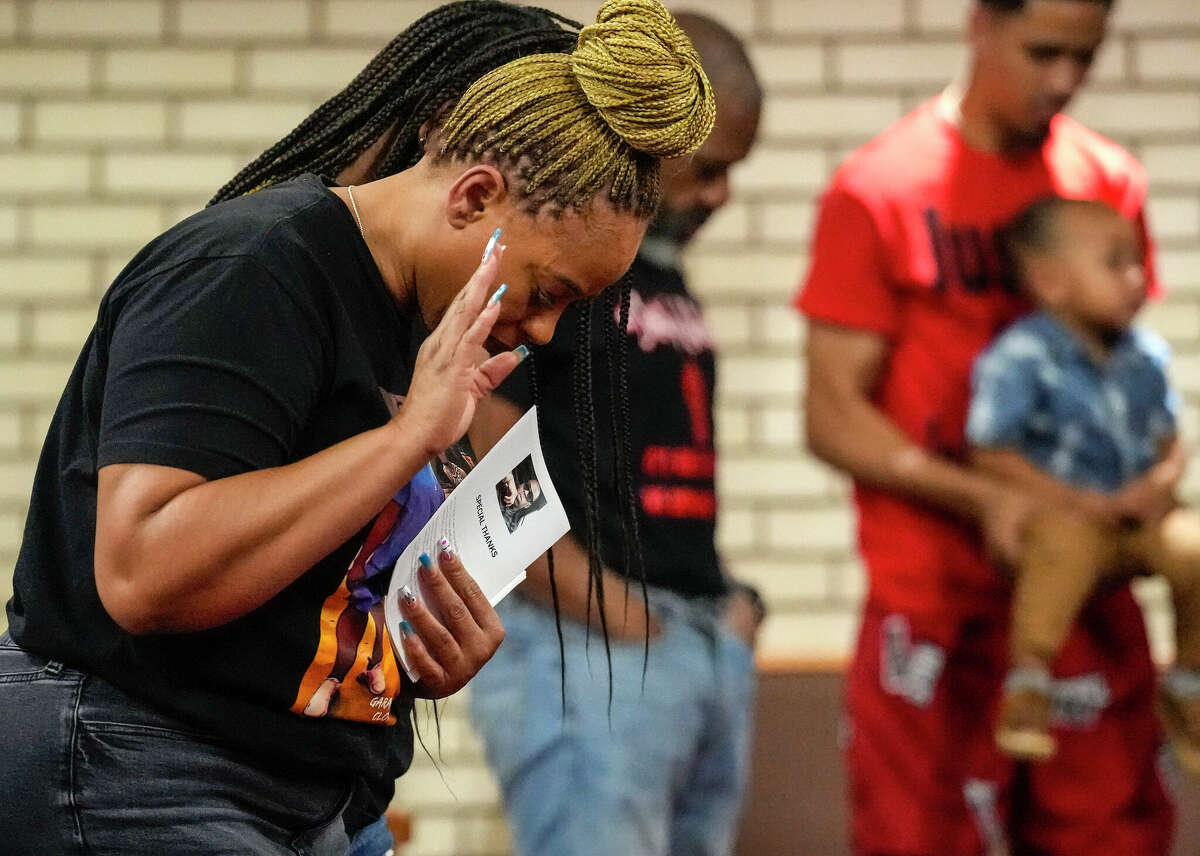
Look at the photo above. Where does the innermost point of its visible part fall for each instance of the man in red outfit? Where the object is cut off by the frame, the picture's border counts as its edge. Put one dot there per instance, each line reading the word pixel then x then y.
pixel 908 282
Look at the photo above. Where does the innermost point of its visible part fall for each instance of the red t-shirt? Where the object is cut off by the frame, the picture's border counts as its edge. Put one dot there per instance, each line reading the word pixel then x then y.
pixel 905 246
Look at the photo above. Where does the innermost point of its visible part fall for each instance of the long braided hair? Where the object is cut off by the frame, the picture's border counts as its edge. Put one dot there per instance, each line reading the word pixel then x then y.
pixel 568 113
pixel 570 126
pixel 427 66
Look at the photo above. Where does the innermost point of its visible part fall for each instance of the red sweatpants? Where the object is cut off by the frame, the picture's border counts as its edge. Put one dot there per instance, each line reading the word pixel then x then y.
pixel 926 779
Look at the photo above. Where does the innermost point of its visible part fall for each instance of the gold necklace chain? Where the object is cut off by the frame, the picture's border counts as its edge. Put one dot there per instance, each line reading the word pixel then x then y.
pixel 354 208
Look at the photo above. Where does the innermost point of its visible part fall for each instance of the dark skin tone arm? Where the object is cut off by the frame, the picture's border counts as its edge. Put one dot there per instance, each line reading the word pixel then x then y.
pixel 1146 499
pixel 158 571
pixel 1010 467
pixel 846 430
pixel 1151 496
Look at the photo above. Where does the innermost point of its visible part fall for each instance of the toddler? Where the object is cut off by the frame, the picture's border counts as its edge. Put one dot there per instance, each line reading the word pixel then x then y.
pixel 1072 403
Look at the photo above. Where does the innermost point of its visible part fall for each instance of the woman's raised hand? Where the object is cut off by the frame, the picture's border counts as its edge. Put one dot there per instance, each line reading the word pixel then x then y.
pixel 453 370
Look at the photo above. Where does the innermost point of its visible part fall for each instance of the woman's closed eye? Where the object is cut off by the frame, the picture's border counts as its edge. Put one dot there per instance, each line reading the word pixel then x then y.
pixel 545 298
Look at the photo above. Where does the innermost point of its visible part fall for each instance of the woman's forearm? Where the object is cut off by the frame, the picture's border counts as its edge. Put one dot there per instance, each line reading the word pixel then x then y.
pixel 176 553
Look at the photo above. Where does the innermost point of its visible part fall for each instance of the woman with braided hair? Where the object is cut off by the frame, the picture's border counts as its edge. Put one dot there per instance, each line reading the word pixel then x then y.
pixel 376 126
pixel 247 403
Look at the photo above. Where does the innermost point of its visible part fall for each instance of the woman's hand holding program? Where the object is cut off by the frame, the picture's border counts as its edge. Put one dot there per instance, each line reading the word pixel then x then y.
pixel 453 369
pixel 447 653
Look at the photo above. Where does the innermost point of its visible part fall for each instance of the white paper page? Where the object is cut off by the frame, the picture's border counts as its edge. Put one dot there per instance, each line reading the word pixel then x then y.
pixel 499 519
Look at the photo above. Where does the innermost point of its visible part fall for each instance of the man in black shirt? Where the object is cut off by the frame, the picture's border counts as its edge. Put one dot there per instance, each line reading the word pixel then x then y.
pixel 660 772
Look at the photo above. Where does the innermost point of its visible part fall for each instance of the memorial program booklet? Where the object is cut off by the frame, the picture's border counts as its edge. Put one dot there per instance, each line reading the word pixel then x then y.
pixel 500 517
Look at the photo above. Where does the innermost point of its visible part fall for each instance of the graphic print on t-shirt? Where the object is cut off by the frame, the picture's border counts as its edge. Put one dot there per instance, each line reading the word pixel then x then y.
pixel 969 257
pixel 676 321
pixel 354 673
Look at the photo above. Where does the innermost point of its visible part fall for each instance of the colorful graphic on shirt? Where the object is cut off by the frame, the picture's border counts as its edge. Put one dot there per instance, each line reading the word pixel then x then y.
pixel 667 319
pixel 676 321
pixel 354 673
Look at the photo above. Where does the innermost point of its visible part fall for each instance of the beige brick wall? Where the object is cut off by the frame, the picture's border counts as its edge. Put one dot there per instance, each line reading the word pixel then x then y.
pixel 118 117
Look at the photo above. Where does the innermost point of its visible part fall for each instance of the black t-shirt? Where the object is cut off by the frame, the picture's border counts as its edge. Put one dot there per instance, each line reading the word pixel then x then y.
pixel 671 376
pixel 251 335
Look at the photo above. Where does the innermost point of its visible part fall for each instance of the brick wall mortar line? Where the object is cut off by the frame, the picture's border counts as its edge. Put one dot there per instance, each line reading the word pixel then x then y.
pixel 24 347
pixel 760 17
pixel 170 29
pixel 241 70
pixel 173 123
pixel 910 22
pixel 96 172
pixel 24 22
pixel 830 66
pixel 25 113
pixel 318 12
pixel 1127 44
pixel 97 274
pixel 95 66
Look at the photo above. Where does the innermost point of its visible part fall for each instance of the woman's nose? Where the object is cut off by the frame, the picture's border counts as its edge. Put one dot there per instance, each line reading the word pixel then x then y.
pixel 539 327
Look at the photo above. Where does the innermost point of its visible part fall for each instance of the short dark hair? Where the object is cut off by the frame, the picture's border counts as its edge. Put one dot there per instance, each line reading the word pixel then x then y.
pixel 1018 5
pixel 1034 230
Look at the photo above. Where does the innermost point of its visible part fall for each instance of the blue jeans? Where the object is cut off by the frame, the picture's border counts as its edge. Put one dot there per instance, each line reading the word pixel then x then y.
pixel 374 839
pixel 85 768
pixel 663 775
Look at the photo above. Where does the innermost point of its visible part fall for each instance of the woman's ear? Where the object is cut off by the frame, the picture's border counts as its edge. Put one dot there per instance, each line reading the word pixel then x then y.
pixel 476 189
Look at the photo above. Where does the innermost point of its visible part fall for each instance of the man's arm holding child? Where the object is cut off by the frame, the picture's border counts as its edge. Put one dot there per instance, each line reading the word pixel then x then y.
pixel 1011 467
pixel 845 428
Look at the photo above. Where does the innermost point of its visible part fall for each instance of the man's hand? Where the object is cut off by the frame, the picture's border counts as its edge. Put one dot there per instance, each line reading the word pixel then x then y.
pixel 744 613
pixel 1145 500
pixel 1003 517
pixel 1101 507
pixel 1152 496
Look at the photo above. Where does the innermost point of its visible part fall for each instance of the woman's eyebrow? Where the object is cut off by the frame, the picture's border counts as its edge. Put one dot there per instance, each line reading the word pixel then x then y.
pixel 568 283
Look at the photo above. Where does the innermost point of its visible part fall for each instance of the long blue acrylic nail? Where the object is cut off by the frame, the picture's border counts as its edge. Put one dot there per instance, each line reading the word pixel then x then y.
pixel 426 562
pixel 522 351
pixel 498 293
pixel 491 245
pixel 405 629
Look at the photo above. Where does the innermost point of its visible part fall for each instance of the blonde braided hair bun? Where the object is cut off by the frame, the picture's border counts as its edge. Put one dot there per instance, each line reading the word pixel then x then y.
pixel 567 126
pixel 640 71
